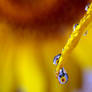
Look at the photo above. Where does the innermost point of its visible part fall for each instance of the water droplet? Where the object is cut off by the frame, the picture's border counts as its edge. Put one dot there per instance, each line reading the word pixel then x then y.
pixel 74 27
pixel 62 49
pixel 87 7
pixel 85 33
pixel 63 76
pixel 56 59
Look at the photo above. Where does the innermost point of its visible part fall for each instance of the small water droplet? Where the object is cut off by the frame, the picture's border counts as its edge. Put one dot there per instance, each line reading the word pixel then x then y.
pixel 56 59
pixel 63 76
pixel 85 33
pixel 74 27
pixel 87 7
pixel 62 49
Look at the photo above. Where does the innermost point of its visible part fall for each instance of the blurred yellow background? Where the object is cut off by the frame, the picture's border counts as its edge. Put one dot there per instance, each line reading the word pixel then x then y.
pixel 26 59
pixel 26 64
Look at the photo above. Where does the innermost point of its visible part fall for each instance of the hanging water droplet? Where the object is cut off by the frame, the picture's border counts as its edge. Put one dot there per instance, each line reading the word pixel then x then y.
pixel 87 7
pixel 85 33
pixel 74 27
pixel 56 59
pixel 63 76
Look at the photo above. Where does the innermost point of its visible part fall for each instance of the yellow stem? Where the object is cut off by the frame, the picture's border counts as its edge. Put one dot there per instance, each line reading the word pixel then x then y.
pixel 75 37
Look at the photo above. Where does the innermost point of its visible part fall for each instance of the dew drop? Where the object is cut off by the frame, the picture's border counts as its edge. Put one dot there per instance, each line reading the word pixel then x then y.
pixel 56 59
pixel 85 33
pixel 87 7
pixel 62 49
pixel 74 27
pixel 63 76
